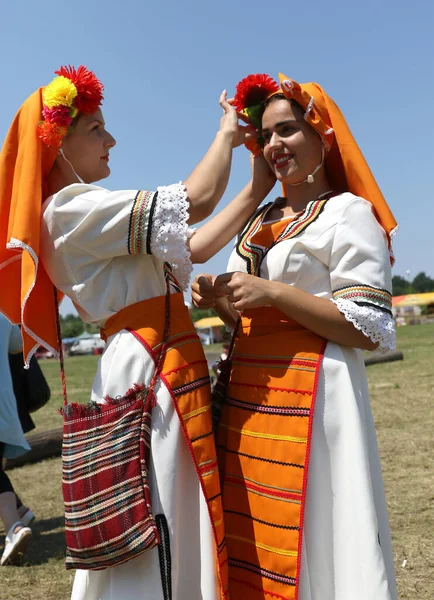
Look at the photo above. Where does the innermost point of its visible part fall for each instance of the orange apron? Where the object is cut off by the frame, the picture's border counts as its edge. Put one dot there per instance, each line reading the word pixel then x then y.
pixel 185 374
pixel 265 429
pixel 263 447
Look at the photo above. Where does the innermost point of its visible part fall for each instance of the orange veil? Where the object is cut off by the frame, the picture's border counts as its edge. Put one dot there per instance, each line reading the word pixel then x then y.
pixel 26 292
pixel 346 167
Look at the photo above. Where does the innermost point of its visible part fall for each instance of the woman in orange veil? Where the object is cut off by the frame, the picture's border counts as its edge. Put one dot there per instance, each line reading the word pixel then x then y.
pixel 308 288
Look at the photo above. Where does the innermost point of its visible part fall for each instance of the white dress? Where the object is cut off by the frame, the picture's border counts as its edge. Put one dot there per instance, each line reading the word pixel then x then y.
pixel 343 256
pixel 106 250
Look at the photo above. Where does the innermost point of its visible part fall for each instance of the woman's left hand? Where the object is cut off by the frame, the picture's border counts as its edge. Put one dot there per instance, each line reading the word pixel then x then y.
pixel 244 291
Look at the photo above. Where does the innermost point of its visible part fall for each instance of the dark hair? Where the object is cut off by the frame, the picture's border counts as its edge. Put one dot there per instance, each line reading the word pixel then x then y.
pixel 275 98
pixel 280 96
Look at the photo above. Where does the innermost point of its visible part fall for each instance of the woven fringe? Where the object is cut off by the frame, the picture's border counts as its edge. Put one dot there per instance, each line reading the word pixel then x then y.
pixel 76 411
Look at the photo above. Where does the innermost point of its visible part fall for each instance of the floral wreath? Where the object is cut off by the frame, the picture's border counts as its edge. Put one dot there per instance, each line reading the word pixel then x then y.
pixel 253 90
pixel 73 92
pixel 250 95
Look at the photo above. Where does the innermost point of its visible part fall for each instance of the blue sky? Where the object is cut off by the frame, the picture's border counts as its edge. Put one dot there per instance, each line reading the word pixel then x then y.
pixel 165 63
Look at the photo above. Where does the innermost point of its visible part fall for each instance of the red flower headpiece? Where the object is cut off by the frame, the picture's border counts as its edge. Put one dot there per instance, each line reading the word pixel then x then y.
pixel 73 92
pixel 89 88
pixel 251 92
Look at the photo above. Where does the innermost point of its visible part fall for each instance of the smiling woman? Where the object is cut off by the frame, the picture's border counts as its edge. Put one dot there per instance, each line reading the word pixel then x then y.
pixel 123 257
pixel 308 286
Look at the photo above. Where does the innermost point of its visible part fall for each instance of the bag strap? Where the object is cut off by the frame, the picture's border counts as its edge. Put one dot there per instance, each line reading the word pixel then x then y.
pixel 59 341
pixel 163 348
pixel 233 339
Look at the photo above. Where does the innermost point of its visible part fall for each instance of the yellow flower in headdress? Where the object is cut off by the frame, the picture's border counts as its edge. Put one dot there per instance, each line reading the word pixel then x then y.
pixel 60 92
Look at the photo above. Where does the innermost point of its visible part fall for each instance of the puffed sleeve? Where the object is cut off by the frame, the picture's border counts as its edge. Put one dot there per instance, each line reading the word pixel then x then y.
pixel 106 224
pixel 360 273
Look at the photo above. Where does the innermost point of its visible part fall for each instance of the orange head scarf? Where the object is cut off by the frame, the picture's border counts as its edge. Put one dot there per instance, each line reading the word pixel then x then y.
pixel 346 167
pixel 27 157
pixel 27 294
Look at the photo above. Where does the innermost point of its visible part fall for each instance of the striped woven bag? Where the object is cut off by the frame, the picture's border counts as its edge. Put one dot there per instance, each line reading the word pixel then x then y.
pixel 105 457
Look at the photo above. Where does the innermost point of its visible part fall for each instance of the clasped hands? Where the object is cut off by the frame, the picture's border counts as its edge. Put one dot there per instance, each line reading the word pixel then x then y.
pixel 240 289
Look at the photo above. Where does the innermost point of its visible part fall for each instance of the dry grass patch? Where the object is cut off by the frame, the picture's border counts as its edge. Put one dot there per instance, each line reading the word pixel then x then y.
pixel 402 399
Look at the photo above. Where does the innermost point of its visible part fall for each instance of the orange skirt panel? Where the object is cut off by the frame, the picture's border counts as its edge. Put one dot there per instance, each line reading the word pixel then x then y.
pixel 263 448
pixel 185 374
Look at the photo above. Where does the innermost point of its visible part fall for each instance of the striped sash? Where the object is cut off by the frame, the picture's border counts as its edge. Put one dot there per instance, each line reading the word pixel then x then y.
pixel 263 447
pixel 185 374
pixel 265 431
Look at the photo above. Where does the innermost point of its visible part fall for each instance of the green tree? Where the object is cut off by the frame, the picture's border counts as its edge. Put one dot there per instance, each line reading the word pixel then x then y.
pixel 422 283
pixel 71 326
pixel 400 286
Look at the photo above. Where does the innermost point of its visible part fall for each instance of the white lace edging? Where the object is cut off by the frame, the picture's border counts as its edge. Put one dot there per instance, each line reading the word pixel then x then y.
pixel 170 232
pixel 14 244
pixel 376 324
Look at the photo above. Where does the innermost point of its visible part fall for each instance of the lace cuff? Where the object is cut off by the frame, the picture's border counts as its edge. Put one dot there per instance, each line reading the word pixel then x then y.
pixel 170 232
pixel 376 324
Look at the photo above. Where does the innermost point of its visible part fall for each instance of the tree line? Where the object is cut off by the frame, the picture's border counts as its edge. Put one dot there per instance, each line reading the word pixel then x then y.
pixel 419 285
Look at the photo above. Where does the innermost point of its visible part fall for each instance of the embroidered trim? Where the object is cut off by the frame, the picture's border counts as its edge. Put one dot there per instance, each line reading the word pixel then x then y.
pixel 373 322
pixel 276 525
pixel 189 387
pixel 261 458
pixel 272 549
pixel 266 436
pixel 254 254
pixel 241 564
pixel 290 411
pixel 270 489
pixel 140 226
pixel 365 295
pixel 250 253
pixel 201 437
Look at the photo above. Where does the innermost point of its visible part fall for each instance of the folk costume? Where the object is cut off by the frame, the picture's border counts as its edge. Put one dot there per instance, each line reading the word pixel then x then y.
pixel 303 498
pixel 123 259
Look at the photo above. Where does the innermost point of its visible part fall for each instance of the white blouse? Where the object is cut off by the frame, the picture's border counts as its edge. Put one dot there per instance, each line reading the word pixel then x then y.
pixel 342 255
pixel 106 250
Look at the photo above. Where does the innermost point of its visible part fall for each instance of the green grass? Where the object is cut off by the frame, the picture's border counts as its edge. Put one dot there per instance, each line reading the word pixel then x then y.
pixel 80 372
pixel 402 397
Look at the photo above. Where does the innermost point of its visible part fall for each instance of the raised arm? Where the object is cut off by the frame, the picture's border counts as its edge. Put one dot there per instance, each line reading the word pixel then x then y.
pixel 214 235
pixel 207 183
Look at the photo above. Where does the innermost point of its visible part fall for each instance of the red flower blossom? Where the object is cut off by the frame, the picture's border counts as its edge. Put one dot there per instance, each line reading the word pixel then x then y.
pixel 254 147
pixel 254 89
pixel 89 88
pixel 60 115
pixel 51 134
